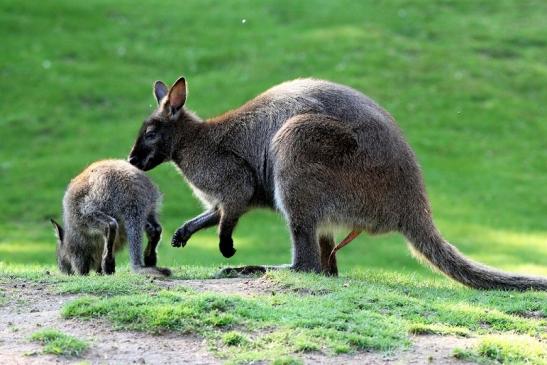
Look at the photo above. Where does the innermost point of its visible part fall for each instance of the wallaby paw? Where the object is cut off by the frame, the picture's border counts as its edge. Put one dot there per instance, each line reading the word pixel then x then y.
pixel 227 251
pixel 108 266
pixel 244 271
pixel 181 237
pixel 226 246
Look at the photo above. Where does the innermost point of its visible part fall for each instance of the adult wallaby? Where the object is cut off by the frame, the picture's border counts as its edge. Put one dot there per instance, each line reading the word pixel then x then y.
pixel 323 154
pixel 108 203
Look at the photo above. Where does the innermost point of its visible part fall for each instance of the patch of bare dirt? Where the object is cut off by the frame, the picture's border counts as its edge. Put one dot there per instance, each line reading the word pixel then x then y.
pixel 239 286
pixel 31 307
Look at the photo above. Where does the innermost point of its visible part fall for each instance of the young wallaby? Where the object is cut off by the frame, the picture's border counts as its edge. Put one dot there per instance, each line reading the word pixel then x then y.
pixel 324 155
pixel 110 202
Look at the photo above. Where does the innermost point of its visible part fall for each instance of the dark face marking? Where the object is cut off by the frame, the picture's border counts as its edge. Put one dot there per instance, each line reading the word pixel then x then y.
pixel 155 140
pixel 152 146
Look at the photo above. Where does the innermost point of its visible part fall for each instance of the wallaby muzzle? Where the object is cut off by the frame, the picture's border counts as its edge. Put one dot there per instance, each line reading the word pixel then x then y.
pixel 141 159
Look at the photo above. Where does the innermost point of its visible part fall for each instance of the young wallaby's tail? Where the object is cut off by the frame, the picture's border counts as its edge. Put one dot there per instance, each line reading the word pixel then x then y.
pixel 429 243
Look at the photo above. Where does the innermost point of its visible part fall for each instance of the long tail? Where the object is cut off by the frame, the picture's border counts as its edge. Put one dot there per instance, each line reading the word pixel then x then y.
pixel 428 242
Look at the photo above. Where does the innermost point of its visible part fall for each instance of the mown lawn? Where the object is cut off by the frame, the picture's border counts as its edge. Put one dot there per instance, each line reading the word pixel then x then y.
pixel 464 79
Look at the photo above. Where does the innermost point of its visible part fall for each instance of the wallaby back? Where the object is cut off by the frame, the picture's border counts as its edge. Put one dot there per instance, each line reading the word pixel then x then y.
pixel 112 186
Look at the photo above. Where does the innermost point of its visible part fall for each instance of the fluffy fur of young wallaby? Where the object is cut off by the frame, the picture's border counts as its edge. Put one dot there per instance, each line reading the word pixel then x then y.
pixel 323 154
pixel 109 203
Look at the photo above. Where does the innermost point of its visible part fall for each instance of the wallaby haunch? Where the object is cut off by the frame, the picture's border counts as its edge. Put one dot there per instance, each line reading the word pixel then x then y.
pixel 324 155
pixel 108 203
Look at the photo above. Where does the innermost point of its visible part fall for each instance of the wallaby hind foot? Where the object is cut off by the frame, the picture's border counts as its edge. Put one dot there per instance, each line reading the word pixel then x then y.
pixel 246 271
pixel 258 270
pixel 153 271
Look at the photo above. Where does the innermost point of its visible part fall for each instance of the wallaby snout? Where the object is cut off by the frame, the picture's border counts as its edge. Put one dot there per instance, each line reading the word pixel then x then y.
pixel 135 161
pixel 143 157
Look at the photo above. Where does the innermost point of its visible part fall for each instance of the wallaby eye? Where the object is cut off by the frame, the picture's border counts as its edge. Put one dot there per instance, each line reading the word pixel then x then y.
pixel 150 134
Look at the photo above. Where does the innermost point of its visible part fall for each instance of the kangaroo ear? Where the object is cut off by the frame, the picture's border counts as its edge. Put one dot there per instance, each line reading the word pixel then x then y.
pixel 160 90
pixel 177 95
pixel 59 231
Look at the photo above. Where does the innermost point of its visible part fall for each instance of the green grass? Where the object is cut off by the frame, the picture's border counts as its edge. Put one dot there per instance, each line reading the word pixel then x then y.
pixel 438 329
pixel 464 79
pixel 234 338
pixel 58 343
pixel 286 360
pixel 516 350
pixel 366 310
pixel 298 313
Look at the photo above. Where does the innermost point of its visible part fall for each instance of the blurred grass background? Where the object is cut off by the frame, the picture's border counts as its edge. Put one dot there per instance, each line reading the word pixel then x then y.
pixel 466 81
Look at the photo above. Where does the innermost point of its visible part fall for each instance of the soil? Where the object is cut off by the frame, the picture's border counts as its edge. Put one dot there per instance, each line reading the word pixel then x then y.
pixel 31 307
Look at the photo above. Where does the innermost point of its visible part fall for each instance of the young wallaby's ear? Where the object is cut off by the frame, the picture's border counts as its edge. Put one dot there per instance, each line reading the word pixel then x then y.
pixel 59 231
pixel 160 90
pixel 177 95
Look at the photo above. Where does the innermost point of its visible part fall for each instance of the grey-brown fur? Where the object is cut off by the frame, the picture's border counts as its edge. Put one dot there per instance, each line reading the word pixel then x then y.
pixel 321 153
pixel 109 203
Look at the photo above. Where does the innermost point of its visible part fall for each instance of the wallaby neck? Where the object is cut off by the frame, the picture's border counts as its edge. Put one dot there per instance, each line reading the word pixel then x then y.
pixel 226 143
pixel 196 142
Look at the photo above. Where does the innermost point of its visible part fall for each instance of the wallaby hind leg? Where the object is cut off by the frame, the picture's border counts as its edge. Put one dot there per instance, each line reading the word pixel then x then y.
pixel 134 228
pixel 153 232
pixel 311 153
pixel 306 256
pixel 326 244
pixel 109 225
